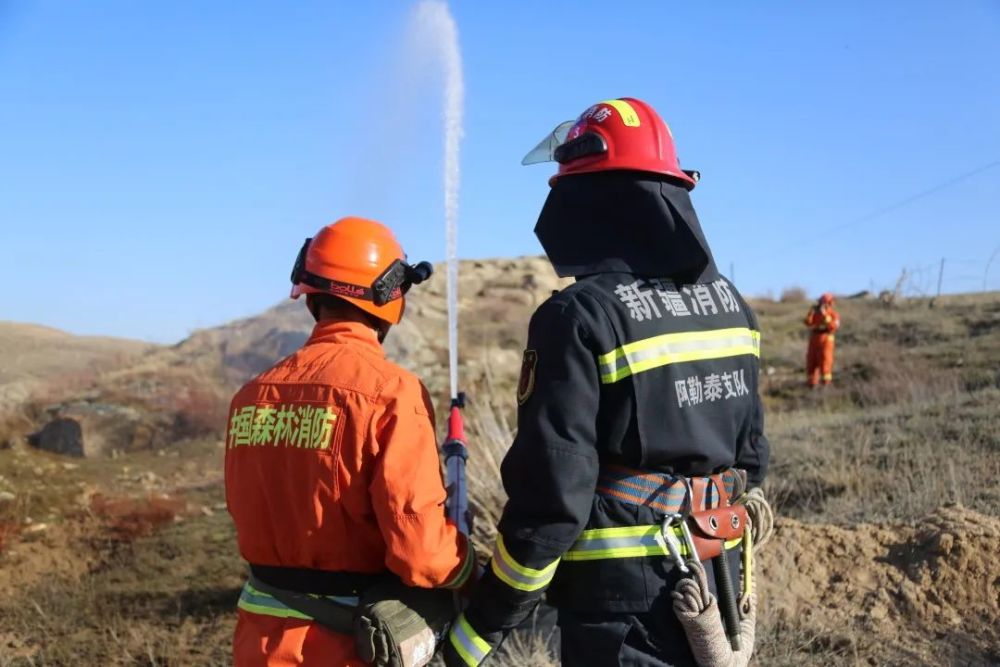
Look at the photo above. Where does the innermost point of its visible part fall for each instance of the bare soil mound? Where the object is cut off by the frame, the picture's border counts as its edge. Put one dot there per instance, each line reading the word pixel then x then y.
pixel 914 593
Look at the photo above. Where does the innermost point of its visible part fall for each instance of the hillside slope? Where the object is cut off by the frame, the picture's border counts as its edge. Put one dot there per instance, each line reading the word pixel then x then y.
pixel 33 355
pixel 495 297
pixel 885 483
pixel 35 352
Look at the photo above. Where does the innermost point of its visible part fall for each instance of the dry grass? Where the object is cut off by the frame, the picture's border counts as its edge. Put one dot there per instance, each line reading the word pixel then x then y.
pixel 490 435
pixel 785 643
pixel 911 423
pixel 155 601
pixel 897 462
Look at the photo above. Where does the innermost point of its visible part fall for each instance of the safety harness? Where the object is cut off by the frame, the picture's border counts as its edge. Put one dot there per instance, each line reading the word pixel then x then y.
pixel 332 611
pixel 700 523
pixel 698 519
pixel 393 625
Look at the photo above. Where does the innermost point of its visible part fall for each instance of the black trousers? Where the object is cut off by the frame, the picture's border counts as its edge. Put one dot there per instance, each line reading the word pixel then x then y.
pixel 650 639
pixel 633 640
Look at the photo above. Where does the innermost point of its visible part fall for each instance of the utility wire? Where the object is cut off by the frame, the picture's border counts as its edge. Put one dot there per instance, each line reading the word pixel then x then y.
pixel 892 207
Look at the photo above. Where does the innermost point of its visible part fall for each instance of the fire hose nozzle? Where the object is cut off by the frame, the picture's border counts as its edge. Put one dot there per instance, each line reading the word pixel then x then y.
pixel 456 423
pixel 456 453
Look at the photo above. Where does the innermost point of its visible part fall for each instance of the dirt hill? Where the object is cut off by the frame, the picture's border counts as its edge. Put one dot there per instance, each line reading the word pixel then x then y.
pixel 926 592
pixel 493 295
pixel 33 354
pixel 885 483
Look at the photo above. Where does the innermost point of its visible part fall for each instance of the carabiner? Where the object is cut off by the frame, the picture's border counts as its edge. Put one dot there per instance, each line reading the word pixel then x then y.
pixel 672 543
pixel 684 514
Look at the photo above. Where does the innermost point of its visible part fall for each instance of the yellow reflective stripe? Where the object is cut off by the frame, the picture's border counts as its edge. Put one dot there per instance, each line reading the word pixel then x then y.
pixel 519 576
pixel 747 563
pixel 620 542
pixel 681 338
pixel 632 552
pixel 626 542
pixel 617 552
pixel 649 353
pixel 253 591
pixel 628 114
pixel 284 612
pixel 256 602
pixel 472 648
pixel 624 531
pixel 346 600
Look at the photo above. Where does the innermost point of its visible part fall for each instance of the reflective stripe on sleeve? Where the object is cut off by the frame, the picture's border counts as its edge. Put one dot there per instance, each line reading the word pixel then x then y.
pixel 649 353
pixel 472 648
pixel 626 542
pixel 519 576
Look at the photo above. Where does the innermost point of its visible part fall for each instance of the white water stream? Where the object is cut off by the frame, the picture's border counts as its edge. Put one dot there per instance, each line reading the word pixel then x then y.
pixel 436 27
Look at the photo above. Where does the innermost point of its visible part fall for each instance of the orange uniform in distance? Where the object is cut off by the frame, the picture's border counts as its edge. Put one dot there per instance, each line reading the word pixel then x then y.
pixel 332 464
pixel 823 321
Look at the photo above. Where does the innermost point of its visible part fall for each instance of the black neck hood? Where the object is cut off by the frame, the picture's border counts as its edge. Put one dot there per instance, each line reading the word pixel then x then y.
pixel 623 221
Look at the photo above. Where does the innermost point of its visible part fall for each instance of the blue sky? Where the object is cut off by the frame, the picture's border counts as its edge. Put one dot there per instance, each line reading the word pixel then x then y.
pixel 161 162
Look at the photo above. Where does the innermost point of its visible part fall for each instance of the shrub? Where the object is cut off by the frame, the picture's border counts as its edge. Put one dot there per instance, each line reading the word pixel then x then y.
pixel 130 518
pixel 793 295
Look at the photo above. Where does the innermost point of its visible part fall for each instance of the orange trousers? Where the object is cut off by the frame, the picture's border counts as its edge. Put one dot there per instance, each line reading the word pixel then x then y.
pixel 268 641
pixel 819 359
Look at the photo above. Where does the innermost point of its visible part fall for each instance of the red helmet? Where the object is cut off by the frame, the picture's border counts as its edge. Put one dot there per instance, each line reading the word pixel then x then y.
pixel 625 133
pixel 826 298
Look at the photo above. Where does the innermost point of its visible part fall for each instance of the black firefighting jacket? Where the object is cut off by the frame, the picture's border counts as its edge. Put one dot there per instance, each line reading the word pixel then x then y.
pixel 619 369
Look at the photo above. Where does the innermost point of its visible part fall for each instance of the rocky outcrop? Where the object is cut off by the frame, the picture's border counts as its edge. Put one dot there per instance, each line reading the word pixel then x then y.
pixel 60 436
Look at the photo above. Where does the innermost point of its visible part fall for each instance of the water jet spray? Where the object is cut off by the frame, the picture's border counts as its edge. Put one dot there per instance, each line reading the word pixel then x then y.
pixel 434 22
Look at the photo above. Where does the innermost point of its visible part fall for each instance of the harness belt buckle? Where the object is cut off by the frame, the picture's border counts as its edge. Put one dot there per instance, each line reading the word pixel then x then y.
pixel 670 540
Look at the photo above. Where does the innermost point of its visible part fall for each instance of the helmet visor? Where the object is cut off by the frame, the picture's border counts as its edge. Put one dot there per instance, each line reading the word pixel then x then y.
pixel 545 151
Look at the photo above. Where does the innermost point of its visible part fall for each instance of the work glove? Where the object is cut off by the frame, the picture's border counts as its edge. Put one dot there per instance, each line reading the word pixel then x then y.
pixel 761 516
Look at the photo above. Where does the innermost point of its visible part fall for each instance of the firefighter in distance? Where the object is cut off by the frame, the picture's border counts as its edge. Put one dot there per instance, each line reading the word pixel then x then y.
pixel 823 320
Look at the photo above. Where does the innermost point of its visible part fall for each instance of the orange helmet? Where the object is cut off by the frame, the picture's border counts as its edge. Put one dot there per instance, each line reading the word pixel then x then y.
pixel 826 298
pixel 361 262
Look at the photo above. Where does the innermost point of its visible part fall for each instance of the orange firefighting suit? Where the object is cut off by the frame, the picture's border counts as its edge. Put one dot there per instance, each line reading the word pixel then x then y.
pixel 823 320
pixel 332 466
